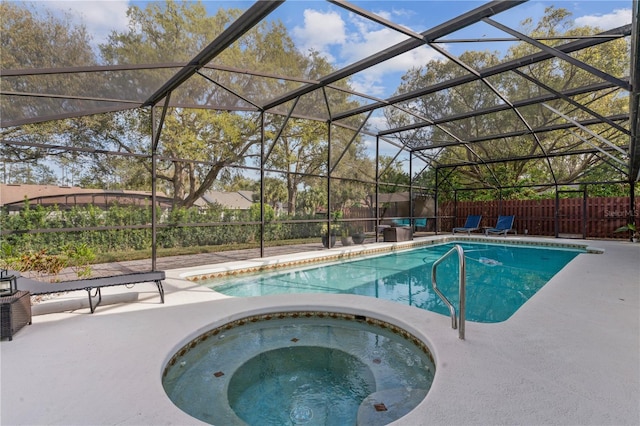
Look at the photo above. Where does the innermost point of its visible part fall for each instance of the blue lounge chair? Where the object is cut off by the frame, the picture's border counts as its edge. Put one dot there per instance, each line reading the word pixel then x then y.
pixel 472 224
pixel 401 222
pixel 504 225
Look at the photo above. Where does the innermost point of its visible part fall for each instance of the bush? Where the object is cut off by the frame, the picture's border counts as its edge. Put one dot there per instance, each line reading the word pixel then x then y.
pixel 127 230
pixel 42 263
pixel 79 258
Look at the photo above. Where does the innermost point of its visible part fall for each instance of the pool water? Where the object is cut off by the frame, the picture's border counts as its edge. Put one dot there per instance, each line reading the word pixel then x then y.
pixel 300 384
pixel 308 368
pixel 500 278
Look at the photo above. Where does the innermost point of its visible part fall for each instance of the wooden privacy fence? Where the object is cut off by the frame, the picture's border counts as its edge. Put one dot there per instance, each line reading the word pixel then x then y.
pixel 598 217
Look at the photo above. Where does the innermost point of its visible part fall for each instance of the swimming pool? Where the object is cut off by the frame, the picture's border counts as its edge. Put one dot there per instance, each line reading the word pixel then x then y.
pixel 500 278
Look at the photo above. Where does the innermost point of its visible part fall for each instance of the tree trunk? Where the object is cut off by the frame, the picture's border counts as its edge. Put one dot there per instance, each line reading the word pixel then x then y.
pixel 292 192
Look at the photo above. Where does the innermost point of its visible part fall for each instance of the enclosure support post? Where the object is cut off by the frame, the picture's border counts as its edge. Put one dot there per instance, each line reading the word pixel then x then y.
pixel 155 141
pixel 632 205
pixel 556 215
pixel 435 202
pixel 328 235
pixel 455 208
pixel 377 187
pixel 262 160
pixel 153 192
pixel 411 203
pixel 584 213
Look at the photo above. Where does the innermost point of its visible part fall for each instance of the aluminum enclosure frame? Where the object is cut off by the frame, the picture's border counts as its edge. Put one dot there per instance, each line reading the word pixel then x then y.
pixel 260 10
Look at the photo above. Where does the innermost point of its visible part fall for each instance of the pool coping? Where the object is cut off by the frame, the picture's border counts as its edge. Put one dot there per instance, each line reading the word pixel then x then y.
pixel 191 342
pixel 274 263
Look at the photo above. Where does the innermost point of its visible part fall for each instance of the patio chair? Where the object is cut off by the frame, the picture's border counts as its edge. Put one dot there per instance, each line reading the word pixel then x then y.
pixel 503 225
pixel 471 224
pixel 401 222
pixel 420 222
pixel 39 287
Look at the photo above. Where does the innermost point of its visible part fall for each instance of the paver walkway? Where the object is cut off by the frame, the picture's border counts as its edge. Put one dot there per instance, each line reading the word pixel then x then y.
pixel 186 261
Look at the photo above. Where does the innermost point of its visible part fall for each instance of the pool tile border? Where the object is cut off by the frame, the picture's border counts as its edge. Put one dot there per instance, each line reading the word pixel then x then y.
pixel 184 350
pixel 348 254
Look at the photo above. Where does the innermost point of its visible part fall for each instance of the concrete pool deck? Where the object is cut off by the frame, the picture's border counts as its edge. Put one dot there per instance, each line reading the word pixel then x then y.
pixel 570 355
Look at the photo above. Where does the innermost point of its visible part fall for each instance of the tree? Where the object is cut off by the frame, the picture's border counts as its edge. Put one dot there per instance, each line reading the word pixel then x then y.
pixel 31 40
pixel 485 169
pixel 25 173
pixel 197 146
pixel 209 141
pixel 275 191
pixel 392 178
pixel 561 75
pixel 302 149
pixel 311 199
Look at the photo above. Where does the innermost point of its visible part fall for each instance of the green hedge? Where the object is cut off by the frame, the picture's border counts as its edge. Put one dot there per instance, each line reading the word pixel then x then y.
pixel 176 228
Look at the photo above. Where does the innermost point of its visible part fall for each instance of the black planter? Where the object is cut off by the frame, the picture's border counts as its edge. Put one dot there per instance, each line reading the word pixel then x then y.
pixel 346 241
pixel 324 241
pixel 358 238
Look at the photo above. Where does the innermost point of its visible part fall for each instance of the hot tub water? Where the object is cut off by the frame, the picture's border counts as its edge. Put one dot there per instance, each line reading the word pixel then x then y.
pixel 300 368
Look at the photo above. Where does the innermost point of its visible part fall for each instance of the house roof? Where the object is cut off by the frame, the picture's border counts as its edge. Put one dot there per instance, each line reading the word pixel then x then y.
pixel 49 195
pixel 240 200
pixel 394 197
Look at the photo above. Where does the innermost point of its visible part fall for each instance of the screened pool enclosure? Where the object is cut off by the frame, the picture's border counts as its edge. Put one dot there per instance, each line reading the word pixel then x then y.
pixel 148 129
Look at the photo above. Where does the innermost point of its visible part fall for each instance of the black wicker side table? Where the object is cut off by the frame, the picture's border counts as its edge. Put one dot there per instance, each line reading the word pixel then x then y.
pixel 15 313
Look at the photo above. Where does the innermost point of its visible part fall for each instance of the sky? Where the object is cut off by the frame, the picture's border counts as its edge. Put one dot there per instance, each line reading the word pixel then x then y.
pixel 344 38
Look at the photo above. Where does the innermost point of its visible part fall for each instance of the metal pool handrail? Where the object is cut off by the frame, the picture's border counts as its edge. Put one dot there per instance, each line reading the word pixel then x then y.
pixel 462 284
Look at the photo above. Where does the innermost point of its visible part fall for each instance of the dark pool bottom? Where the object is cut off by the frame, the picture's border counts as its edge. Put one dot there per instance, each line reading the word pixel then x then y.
pixel 312 368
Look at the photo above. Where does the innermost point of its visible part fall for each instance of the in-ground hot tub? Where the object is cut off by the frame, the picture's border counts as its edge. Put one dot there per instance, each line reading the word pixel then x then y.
pixel 304 367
